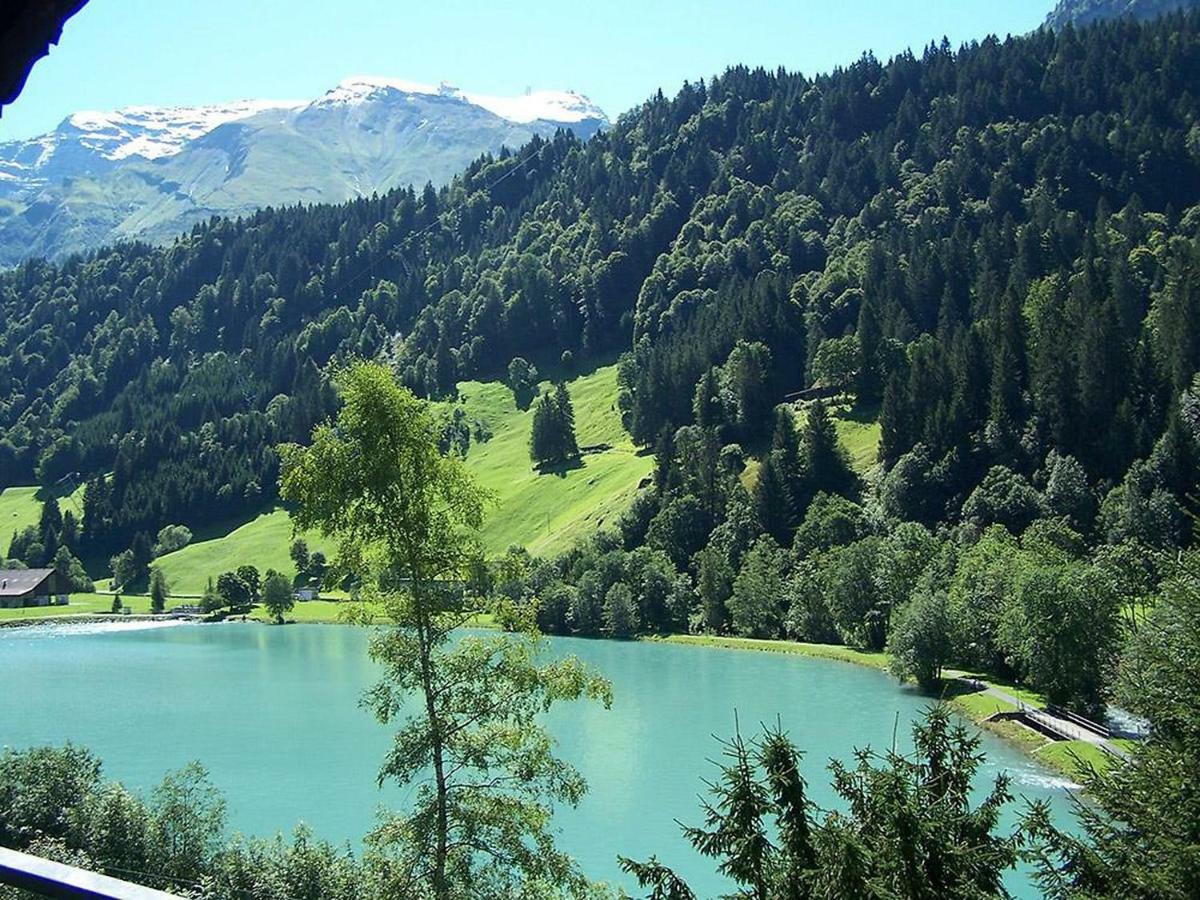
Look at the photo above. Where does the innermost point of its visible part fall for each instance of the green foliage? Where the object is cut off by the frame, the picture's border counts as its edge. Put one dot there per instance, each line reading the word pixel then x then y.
pixel 860 609
pixel 831 521
pixel 756 605
pixel 919 642
pixel 300 555
pixel 620 616
pixel 53 803
pixel 552 435
pixel 172 538
pixel 1139 830
pixel 909 830
pixel 836 362
pixel 1067 491
pixel 523 379
pixel 824 463
pixel 714 585
pixel 773 501
pixel 1005 498
pixel 277 595
pixel 978 594
pixel 253 581
pixel 233 591
pixel 71 570
pixel 124 571
pixel 158 590
pixel 405 520
pixel 1061 628
pixel 1141 509
pixel 211 600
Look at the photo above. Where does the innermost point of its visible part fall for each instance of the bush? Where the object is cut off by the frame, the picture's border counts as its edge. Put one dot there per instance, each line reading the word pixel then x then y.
pixel 172 538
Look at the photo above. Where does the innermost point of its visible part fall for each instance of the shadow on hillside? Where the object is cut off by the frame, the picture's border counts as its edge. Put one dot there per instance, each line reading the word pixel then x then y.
pixel 862 413
pixel 524 398
pixel 560 468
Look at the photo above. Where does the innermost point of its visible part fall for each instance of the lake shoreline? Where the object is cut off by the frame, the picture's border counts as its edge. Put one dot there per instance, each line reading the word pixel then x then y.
pixel 1017 736
pixel 82 618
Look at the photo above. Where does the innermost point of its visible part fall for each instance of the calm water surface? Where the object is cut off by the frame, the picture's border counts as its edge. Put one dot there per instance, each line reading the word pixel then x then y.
pixel 273 714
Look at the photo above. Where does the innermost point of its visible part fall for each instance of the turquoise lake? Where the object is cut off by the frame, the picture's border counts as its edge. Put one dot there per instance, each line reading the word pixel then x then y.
pixel 273 714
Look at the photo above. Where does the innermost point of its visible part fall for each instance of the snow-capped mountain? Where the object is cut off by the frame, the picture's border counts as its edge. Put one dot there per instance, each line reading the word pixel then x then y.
pixel 152 172
pixel 560 107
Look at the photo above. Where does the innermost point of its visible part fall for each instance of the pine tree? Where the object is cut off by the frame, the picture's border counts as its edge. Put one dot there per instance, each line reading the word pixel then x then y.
pixel 158 590
pixel 772 503
pixel 826 467
pixel 707 410
pixel 142 553
pixel 568 446
pixel 552 435
pixel 870 337
pixel 714 583
pixel 542 443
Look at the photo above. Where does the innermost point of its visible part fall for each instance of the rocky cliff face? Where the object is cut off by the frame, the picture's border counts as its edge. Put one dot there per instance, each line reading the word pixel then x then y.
pixel 1084 12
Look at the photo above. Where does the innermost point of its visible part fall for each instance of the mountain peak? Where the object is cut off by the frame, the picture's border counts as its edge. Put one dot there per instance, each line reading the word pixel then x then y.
pixel 150 172
pixel 568 107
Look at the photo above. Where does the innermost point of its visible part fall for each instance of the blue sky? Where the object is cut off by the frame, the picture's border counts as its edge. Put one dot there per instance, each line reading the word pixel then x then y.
pixel 183 52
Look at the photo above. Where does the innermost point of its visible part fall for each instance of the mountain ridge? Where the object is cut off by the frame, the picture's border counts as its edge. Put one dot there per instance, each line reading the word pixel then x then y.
pixel 1085 12
pixel 150 173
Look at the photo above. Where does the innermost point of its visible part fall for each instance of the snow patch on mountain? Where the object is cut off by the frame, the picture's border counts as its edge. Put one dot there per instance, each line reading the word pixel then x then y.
pixel 155 131
pixel 567 107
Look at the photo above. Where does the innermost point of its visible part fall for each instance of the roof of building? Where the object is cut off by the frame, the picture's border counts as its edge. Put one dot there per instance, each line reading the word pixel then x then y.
pixel 21 581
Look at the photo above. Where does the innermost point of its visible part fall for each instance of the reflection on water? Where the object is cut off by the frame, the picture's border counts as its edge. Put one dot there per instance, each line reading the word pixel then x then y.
pixel 274 714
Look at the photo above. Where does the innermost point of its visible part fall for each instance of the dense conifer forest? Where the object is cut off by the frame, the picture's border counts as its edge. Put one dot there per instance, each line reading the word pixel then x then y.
pixel 992 253
pixel 994 246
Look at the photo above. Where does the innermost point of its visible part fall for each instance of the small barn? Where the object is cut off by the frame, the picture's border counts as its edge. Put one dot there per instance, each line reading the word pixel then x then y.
pixel 31 587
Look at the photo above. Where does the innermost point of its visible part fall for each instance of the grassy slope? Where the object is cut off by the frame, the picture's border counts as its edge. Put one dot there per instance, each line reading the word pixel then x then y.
pixel 859 432
pixel 861 440
pixel 543 512
pixel 262 542
pixel 21 507
pixel 546 513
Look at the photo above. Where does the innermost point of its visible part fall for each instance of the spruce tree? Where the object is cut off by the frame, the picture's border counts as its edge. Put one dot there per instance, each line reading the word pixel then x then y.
pixel 158 590
pixel 568 446
pixel 772 503
pixel 552 435
pixel 826 467
pixel 707 410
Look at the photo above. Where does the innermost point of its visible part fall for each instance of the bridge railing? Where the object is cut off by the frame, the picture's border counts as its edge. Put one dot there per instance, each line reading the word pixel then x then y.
pixel 58 880
pixel 1081 721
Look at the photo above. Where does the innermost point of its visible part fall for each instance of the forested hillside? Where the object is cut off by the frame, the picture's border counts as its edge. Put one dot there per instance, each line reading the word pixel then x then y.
pixel 997 245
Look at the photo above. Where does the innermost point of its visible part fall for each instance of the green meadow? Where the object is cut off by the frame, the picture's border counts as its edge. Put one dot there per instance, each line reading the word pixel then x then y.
pixel 546 512
pixel 21 507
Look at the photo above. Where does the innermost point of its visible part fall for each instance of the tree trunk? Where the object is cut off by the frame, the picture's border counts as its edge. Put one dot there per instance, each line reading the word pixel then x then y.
pixel 425 636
